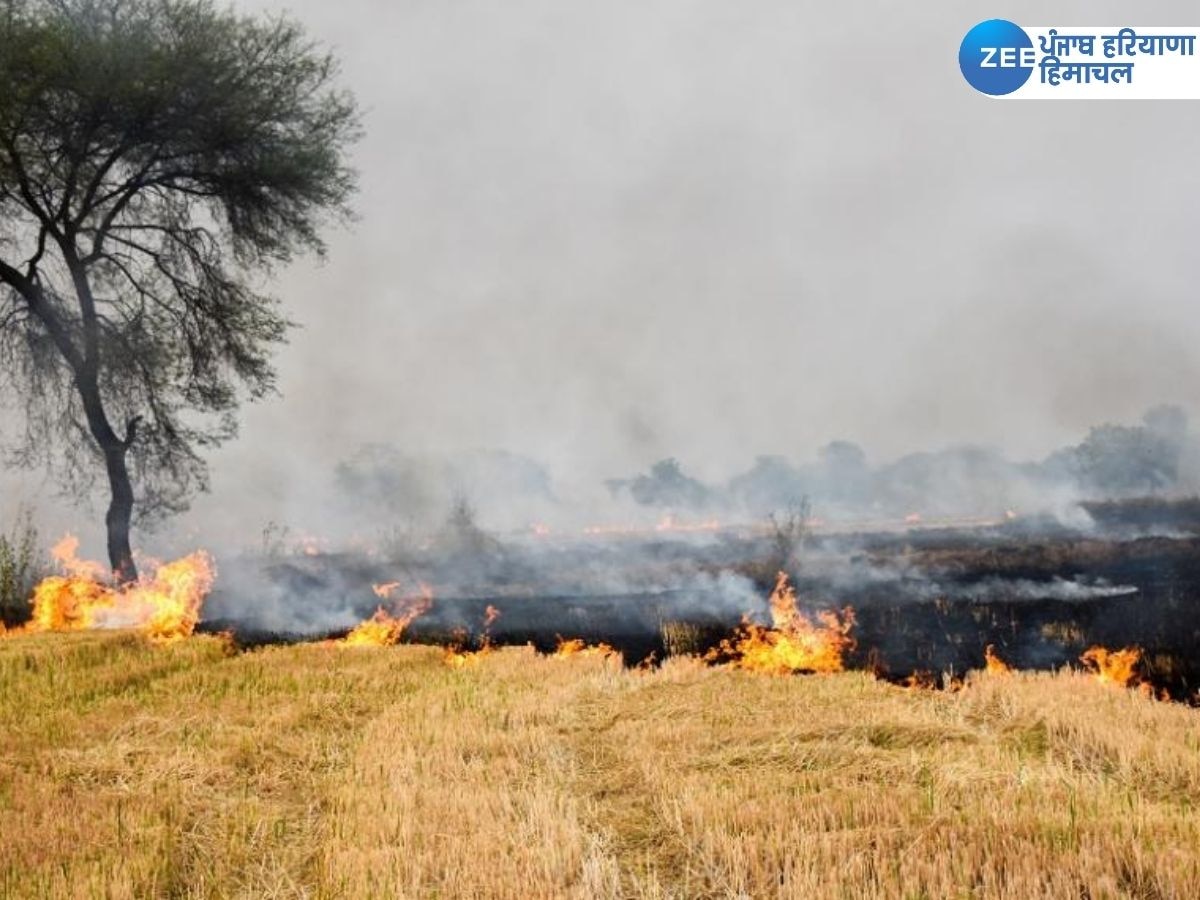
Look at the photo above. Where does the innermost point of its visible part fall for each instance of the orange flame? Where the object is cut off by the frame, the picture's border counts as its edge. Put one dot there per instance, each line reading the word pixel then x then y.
pixel 165 605
pixel 571 647
pixel 457 657
pixel 995 665
pixel 919 680
pixel 794 644
pixel 386 628
pixel 1117 667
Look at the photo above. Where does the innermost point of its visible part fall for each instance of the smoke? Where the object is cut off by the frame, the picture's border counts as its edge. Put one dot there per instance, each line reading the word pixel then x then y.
pixel 597 236
pixel 409 495
pixel 289 598
pixel 1024 589
pixel 601 235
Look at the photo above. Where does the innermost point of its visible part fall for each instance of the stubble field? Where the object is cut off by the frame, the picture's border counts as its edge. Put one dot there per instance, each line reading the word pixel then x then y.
pixel 191 770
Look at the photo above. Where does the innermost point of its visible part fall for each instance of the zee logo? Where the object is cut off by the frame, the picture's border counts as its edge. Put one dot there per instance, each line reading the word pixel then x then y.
pixel 1008 58
pixel 996 57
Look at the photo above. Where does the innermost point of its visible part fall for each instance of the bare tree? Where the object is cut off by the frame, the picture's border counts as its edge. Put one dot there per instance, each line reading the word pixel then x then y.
pixel 156 156
pixel 788 529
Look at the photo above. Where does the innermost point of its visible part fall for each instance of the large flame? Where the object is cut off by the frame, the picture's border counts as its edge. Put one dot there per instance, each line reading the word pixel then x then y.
pixel 794 643
pixel 165 605
pixel 385 628
pixel 995 665
pixel 1117 667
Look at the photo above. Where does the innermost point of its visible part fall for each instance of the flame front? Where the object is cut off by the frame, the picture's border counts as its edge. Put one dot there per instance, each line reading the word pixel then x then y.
pixel 458 657
pixel 570 647
pixel 386 628
pixel 995 665
pixel 919 680
pixel 165 605
pixel 794 643
pixel 1117 667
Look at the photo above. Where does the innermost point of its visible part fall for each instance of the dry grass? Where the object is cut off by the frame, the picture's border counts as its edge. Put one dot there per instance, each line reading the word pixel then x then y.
pixel 135 771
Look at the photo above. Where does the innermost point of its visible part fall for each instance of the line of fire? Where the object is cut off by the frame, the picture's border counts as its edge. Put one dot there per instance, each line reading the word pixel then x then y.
pixel 920 605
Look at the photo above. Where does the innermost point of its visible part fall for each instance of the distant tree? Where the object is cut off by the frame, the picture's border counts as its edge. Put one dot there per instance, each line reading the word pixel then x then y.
pixel 770 483
pixel 1123 460
pixel 843 456
pixel 462 536
pixel 789 528
pixel 667 485
pixel 1117 459
pixel 845 475
pixel 157 157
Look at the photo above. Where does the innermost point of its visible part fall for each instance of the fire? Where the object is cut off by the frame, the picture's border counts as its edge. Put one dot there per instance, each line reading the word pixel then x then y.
pixel 794 643
pixel 381 630
pixel 572 647
pixel 165 605
pixel 1117 667
pixel 919 680
pixel 995 665
pixel 386 628
pixel 457 657
pixel 670 523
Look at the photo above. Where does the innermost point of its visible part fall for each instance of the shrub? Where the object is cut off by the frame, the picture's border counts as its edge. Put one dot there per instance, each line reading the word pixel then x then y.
pixel 20 569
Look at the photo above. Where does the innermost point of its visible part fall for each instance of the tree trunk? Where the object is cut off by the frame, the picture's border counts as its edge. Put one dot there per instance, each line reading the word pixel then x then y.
pixel 116 451
pixel 120 512
pixel 85 363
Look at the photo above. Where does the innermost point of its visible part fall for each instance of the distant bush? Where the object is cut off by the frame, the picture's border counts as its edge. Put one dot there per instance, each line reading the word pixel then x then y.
pixel 462 536
pixel 20 569
pixel 665 486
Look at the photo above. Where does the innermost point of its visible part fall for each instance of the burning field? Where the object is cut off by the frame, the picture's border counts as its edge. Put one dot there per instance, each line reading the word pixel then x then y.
pixel 538 450
pixel 794 749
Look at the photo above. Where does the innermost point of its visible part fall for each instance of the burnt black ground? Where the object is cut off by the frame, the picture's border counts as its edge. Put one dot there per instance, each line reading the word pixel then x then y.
pixel 947 595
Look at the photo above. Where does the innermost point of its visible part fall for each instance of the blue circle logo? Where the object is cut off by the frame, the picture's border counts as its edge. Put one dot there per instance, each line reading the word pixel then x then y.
pixel 996 57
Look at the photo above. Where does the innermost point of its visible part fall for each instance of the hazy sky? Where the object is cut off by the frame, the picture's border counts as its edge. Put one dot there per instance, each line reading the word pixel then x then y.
pixel 603 232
